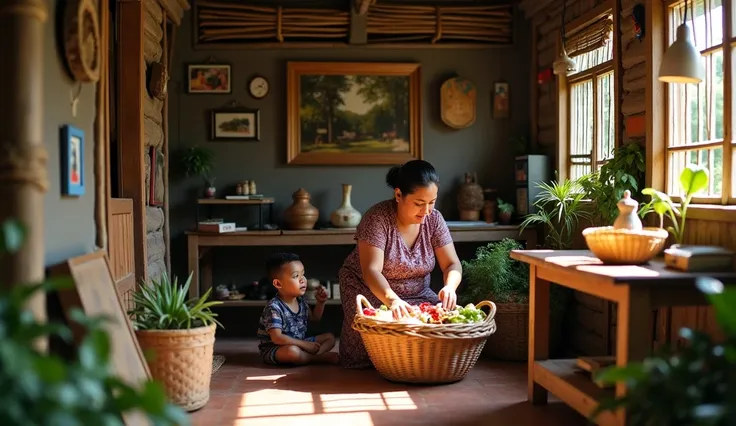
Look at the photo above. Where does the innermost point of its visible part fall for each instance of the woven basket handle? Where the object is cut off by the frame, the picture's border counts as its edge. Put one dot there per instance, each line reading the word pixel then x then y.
pixel 361 302
pixel 492 311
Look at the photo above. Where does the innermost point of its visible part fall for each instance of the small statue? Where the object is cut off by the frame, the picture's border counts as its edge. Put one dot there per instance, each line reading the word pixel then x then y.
pixel 627 213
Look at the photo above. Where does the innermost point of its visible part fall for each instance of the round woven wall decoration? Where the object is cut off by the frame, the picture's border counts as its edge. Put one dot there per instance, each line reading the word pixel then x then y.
pixel 82 40
pixel 457 102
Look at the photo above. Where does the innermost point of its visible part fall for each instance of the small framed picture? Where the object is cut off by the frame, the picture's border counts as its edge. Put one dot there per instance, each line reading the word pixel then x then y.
pixel 500 100
pixel 209 78
pixel 235 124
pixel 72 161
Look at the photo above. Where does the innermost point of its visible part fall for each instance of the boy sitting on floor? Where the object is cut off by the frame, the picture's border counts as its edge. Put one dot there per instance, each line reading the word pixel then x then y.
pixel 283 326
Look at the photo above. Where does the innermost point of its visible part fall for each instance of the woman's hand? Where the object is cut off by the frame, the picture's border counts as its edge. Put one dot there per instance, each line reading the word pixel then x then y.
pixel 448 297
pixel 399 308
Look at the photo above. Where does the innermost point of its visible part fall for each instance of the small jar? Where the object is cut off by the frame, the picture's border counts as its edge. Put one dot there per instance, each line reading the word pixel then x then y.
pixel 252 188
pixel 239 188
pixel 246 188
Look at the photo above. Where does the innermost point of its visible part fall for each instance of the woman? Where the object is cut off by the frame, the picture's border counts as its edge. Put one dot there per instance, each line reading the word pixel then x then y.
pixel 397 243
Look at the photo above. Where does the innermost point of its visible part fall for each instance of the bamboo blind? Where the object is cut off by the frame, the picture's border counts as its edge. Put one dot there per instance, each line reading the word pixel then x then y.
pixel 590 38
pixel 490 24
pixel 236 22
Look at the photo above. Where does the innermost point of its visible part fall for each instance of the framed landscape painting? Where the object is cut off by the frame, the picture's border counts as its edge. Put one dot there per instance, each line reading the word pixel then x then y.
pixel 348 113
pixel 235 124
pixel 208 78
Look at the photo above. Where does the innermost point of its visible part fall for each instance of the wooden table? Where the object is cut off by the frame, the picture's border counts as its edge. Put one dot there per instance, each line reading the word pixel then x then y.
pixel 637 290
pixel 199 244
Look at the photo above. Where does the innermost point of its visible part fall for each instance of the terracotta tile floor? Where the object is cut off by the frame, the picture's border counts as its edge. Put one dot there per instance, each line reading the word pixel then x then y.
pixel 247 392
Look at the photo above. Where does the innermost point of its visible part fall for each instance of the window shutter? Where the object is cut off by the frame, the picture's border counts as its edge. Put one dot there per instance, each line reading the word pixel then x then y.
pixel 590 38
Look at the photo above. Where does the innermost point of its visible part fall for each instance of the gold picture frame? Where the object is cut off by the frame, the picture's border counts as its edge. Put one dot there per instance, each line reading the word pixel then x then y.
pixel 353 113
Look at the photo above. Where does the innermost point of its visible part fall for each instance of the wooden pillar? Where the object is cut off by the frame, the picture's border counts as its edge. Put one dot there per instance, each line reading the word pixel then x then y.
pixel 131 78
pixel 23 156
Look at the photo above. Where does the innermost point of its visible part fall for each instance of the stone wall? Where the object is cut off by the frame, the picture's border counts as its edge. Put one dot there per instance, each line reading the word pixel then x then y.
pixel 153 131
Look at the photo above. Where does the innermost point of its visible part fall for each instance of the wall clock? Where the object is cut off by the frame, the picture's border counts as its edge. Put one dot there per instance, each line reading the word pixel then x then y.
pixel 258 87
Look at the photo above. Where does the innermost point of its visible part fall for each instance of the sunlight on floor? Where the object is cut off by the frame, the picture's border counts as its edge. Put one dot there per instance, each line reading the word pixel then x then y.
pixel 272 378
pixel 279 405
pixel 352 419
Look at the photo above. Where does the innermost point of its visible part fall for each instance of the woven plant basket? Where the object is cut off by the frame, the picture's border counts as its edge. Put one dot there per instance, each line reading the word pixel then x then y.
pixel 624 246
pixel 182 361
pixel 423 353
pixel 510 342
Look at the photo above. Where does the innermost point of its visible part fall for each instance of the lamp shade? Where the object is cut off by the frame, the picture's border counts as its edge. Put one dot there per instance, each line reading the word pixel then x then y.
pixel 563 65
pixel 682 62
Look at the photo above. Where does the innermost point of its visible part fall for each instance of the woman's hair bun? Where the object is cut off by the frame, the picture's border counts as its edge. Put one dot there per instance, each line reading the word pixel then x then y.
pixel 392 177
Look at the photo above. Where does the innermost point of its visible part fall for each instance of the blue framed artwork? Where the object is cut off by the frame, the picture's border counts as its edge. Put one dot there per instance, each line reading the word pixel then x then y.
pixel 72 161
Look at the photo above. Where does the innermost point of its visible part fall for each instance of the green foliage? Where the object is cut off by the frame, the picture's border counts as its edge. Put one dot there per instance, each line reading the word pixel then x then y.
pixel 493 273
pixel 560 209
pixel 162 305
pixel 196 161
pixel 692 387
pixel 693 179
pixel 606 187
pixel 505 207
pixel 43 389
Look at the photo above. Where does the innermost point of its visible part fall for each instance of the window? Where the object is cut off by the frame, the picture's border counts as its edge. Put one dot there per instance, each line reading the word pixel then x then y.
pixel 591 114
pixel 696 114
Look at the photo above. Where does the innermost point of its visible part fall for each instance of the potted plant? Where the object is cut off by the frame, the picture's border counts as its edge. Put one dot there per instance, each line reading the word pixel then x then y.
pixel 505 210
pixel 692 386
pixel 560 208
pixel 624 171
pixel 179 337
pixel 211 190
pixel 197 161
pixel 693 179
pixel 494 275
pixel 44 388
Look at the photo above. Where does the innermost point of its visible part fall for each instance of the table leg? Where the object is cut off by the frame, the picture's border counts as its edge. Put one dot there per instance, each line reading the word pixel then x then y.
pixel 538 332
pixel 193 257
pixel 633 334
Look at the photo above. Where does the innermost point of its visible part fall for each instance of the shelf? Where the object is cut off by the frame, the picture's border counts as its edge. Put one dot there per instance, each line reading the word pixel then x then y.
pixel 234 303
pixel 564 379
pixel 242 202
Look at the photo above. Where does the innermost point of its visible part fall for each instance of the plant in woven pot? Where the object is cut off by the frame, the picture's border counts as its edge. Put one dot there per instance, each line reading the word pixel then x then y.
pixel 178 336
pixel 493 275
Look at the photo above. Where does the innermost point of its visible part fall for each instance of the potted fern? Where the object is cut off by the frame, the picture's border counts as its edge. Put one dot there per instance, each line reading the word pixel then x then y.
pixel 45 388
pixel 198 161
pixel 494 275
pixel 178 337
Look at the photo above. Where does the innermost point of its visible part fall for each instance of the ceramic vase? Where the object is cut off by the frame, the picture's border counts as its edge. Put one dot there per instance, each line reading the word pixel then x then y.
pixel 345 216
pixel 470 198
pixel 301 214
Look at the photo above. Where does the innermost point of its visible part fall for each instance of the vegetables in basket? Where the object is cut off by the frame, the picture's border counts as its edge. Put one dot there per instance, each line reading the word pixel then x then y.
pixel 427 313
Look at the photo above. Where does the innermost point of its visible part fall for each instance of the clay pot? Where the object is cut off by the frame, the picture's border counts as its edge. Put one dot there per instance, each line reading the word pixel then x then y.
pixel 470 198
pixel 210 192
pixel 301 214
pixel 345 216
pixel 505 217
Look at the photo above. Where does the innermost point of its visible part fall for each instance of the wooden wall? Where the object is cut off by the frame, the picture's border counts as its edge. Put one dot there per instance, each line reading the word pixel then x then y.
pixel 154 46
pixel 594 327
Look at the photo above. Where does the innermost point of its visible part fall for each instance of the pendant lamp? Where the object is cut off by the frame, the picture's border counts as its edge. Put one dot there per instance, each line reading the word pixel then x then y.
pixel 682 62
pixel 563 65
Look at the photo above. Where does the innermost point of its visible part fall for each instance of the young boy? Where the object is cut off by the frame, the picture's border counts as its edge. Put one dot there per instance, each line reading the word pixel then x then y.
pixel 283 326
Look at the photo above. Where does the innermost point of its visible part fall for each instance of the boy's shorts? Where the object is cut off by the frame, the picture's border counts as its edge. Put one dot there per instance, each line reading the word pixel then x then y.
pixel 269 354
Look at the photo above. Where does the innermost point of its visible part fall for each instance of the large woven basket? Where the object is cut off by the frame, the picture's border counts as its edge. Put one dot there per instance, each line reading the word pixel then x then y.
pixel 423 353
pixel 182 362
pixel 625 246
pixel 510 342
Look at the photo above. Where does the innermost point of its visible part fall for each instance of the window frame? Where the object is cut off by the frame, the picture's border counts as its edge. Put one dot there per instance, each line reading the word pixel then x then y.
pixel 564 160
pixel 728 47
pixel 593 75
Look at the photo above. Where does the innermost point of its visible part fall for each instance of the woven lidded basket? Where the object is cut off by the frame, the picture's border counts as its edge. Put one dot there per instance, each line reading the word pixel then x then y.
pixel 510 342
pixel 423 353
pixel 182 361
pixel 625 246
